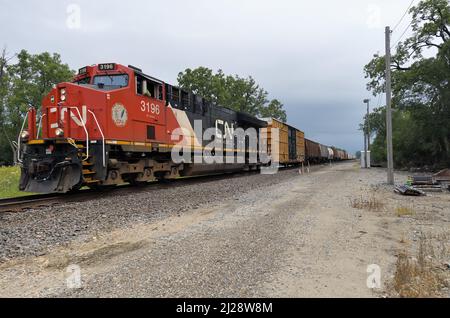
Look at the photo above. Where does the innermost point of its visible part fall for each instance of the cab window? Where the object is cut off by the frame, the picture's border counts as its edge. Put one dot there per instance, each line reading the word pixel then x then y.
pixel 85 80
pixel 111 81
pixel 147 87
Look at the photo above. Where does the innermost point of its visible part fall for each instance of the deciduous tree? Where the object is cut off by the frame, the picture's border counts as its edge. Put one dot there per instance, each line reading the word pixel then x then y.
pixel 24 84
pixel 421 88
pixel 235 92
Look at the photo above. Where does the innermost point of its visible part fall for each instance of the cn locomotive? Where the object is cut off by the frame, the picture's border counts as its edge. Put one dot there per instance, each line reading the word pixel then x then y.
pixel 114 124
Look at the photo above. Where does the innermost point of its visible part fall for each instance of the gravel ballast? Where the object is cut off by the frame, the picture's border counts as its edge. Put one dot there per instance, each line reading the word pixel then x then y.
pixel 33 232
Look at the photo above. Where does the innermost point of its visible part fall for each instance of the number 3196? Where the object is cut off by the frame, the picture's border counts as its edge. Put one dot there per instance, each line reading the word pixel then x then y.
pixel 149 108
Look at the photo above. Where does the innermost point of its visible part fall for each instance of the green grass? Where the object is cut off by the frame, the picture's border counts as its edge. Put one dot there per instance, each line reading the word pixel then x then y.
pixel 9 183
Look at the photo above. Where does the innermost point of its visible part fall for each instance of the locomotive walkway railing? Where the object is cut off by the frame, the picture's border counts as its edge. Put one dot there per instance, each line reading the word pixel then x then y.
pixel 103 136
pixel 39 125
pixel 20 136
pixel 85 130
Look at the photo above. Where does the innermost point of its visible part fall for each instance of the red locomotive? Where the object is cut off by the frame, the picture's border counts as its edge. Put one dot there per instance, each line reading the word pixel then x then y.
pixel 115 124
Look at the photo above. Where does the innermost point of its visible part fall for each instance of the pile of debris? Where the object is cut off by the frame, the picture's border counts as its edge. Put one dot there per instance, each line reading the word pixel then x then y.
pixel 442 178
pixel 408 190
pixel 416 185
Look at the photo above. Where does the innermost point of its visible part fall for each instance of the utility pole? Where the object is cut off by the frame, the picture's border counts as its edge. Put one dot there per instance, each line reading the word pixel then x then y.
pixel 390 157
pixel 367 134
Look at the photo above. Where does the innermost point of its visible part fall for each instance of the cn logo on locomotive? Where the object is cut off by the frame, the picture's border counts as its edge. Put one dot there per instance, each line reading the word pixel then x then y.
pixel 228 129
pixel 74 115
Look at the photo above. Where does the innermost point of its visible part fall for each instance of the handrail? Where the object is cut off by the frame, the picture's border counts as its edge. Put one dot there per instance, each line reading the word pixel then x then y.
pixel 39 126
pixel 20 136
pixel 85 130
pixel 103 137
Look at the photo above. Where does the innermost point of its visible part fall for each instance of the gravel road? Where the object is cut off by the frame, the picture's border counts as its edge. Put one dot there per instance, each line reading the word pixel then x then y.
pixel 286 235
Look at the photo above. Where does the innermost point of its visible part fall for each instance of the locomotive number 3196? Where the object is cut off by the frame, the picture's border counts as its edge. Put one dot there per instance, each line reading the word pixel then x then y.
pixel 150 108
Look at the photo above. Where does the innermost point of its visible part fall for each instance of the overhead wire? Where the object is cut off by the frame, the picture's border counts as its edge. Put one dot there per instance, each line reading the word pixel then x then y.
pixel 401 36
pixel 403 16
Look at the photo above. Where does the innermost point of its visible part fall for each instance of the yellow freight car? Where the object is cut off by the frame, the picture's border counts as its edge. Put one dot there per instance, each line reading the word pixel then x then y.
pixel 290 141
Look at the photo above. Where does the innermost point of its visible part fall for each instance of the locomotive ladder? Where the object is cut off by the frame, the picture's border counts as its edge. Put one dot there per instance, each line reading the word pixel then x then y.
pixel 88 165
pixel 88 170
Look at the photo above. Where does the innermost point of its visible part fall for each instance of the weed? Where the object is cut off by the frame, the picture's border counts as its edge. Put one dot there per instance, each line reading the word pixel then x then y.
pixel 372 203
pixel 403 211
pixel 419 276
pixel 9 182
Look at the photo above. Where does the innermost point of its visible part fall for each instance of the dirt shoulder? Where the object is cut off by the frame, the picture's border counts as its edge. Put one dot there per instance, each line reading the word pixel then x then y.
pixel 300 237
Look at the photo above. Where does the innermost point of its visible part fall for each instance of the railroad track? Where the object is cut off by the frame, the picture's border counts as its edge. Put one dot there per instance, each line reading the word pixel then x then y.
pixel 34 201
pixel 28 202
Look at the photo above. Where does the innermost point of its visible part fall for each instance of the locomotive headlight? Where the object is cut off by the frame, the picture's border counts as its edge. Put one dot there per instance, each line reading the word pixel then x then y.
pixel 63 94
pixel 25 134
pixel 59 132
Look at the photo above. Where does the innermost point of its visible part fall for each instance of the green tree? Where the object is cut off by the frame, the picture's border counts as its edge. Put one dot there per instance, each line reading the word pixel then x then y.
pixel 203 82
pixel 274 109
pixel 24 84
pixel 421 88
pixel 235 92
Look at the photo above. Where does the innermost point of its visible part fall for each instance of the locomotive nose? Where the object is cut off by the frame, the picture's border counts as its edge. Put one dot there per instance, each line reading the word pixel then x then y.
pixel 65 112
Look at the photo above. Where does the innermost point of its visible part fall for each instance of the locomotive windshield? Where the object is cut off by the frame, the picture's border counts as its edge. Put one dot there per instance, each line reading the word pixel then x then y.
pixel 111 81
pixel 85 80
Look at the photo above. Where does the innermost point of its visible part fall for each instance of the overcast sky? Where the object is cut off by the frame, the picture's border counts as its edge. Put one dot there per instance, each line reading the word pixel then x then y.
pixel 308 54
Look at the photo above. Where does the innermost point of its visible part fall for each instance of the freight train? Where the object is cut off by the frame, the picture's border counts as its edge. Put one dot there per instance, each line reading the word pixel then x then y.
pixel 114 124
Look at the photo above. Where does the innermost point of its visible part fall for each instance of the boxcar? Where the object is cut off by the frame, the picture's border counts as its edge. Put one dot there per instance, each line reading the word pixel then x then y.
pixel 312 151
pixel 291 142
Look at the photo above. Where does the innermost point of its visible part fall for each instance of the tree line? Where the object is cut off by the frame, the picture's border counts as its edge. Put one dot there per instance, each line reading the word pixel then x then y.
pixel 420 72
pixel 26 78
pixel 235 92
pixel 23 84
